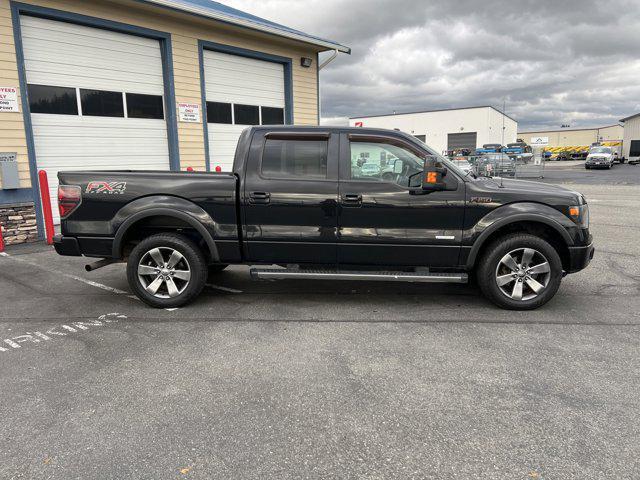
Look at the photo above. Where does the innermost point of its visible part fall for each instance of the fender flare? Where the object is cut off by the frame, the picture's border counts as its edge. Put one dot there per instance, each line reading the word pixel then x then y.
pixel 165 212
pixel 520 217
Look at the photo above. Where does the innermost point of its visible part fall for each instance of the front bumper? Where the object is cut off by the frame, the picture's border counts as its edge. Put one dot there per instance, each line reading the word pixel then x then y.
pixel 580 257
pixel 67 246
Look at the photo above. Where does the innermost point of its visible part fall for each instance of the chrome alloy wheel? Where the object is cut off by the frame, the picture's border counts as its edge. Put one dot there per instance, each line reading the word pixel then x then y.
pixel 523 274
pixel 164 272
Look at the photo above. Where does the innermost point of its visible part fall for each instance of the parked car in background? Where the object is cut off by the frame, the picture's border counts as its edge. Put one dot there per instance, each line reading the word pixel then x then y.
pixel 600 157
pixel 489 148
pixel 496 165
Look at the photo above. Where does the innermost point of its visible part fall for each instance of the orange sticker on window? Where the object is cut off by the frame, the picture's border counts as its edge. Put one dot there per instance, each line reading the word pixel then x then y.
pixel 432 177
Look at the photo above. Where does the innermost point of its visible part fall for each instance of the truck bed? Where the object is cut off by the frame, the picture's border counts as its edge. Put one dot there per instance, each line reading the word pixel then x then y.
pixel 111 198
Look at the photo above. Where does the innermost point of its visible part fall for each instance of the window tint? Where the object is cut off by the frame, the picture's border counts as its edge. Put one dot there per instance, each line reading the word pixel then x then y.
pixel 272 116
pixel 144 106
pixel 54 100
pixel 100 103
pixel 218 112
pixel 385 162
pixel 246 115
pixel 634 148
pixel 295 158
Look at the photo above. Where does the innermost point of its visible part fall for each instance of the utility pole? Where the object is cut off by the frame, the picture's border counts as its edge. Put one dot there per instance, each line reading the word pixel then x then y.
pixel 504 105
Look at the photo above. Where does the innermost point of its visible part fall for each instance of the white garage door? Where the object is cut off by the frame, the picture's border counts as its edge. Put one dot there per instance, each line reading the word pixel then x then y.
pixel 240 91
pixel 96 99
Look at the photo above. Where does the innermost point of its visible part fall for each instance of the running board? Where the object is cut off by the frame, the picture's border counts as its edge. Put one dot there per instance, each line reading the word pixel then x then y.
pixel 426 277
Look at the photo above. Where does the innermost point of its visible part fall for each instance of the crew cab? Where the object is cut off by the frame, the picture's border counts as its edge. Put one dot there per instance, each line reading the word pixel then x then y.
pixel 300 205
pixel 600 157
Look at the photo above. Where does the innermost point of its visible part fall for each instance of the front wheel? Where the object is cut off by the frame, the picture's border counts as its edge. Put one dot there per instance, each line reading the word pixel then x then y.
pixel 520 272
pixel 166 270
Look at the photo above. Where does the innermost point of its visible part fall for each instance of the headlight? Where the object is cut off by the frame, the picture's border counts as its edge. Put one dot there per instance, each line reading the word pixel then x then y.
pixel 580 215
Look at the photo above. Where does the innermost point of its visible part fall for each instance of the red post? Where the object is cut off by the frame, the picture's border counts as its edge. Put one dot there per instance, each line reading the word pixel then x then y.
pixel 1 240
pixel 46 205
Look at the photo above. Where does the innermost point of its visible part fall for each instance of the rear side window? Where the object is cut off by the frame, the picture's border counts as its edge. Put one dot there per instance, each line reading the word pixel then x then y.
pixel 100 103
pixel 53 100
pixel 295 158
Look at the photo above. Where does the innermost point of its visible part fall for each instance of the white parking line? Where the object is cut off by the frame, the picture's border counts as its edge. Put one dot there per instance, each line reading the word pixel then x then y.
pixel 68 275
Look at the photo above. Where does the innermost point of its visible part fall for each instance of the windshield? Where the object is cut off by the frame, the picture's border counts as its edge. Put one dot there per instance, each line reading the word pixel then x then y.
pixel 600 150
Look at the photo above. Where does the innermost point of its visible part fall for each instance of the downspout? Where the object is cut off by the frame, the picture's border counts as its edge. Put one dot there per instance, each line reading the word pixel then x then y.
pixel 328 60
pixel 320 67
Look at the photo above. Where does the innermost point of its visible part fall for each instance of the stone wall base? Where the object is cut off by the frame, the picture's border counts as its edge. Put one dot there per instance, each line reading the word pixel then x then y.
pixel 18 223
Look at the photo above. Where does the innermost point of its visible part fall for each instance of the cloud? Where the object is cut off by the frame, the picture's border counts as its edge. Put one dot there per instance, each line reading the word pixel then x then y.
pixel 552 62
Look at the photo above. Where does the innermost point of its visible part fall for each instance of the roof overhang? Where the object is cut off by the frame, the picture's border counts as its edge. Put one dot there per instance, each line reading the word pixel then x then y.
pixel 630 117
pixel 272 29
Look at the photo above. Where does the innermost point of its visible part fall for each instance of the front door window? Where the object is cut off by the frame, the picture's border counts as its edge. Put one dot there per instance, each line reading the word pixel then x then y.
pixel 385 162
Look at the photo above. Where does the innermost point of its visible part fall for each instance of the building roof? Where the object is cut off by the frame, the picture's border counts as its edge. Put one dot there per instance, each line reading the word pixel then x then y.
pixel 224 13
pixel 630 117
pixel 573 129
pixel 431 111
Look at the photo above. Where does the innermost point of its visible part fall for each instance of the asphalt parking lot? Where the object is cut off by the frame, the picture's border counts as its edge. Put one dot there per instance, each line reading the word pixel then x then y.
pixel 326 380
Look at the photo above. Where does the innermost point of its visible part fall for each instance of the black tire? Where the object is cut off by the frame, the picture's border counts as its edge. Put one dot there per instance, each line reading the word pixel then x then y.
pixel 587 167
pixel 215 269
pixel 490 262
pixel 192 260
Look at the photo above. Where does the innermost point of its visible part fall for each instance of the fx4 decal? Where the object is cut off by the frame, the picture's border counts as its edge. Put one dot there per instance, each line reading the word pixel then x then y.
pixel 480 199
pixel 109 188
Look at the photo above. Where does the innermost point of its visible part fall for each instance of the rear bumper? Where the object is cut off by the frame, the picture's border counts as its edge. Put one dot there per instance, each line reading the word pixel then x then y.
pixel 67 246
pixel 580 257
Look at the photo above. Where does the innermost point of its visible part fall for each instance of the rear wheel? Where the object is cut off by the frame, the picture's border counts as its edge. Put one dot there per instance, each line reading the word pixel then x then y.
pixel 166 270
pixel 520 272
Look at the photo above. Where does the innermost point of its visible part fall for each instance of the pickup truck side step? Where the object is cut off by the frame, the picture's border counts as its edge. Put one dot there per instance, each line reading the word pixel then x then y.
pixel 424 277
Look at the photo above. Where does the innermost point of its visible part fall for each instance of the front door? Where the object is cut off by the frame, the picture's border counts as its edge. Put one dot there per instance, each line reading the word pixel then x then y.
pixel 385 217
pixel 290 198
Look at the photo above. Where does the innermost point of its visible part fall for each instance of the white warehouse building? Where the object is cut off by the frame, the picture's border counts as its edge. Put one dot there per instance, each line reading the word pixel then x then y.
pixel 449 129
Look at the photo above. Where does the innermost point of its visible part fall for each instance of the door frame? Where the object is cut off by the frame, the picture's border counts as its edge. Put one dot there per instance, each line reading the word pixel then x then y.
pixel 286 62
pixel 164 39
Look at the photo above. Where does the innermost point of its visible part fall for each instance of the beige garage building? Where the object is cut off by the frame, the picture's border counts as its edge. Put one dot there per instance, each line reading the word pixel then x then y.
pixel 138 84
pixel 631 141
pixel 570 137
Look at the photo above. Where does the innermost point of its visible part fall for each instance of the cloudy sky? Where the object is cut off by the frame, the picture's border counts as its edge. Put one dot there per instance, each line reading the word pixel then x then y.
pixel 557 62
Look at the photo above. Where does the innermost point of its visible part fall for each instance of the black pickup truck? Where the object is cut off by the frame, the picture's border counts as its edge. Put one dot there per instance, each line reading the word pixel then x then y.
pixel 327 203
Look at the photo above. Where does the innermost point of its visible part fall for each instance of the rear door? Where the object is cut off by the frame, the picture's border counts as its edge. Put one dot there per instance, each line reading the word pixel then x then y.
pixel 383 221
pixel 290 198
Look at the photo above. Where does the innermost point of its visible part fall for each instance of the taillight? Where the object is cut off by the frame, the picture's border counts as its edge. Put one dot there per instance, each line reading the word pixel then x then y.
pixel 69 198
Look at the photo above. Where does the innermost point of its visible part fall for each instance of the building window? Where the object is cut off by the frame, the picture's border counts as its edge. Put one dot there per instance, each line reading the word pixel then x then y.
pixel 295 158
pixel 100 103
pixel 218 112
pixel 246 114
pixel 144 106
pixel 272 116
pixel 54 100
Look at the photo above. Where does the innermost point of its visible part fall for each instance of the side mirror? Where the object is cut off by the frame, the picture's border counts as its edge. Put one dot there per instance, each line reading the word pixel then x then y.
pixel 432 179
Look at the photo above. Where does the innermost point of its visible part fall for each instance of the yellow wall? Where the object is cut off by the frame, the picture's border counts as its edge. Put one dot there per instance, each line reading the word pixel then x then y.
pixel 185 31
pixel 572 138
